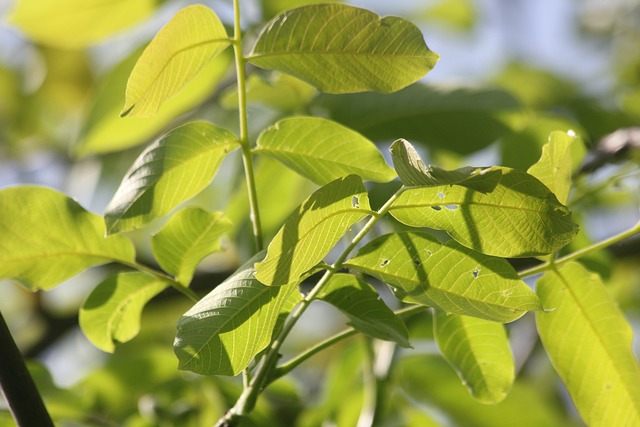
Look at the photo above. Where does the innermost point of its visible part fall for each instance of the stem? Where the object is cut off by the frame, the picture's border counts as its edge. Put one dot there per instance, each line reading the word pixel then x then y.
pixel 581 252
pixel 19 390
pixel 247 162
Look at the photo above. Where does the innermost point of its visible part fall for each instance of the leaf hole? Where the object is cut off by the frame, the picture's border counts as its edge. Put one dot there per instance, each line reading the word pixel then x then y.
pixel 436 208
pixel 417 261
pixel 429 252
pixel 451 207
pixel 355 202
pixel 441 195
pixel 476 273
pixel 384 263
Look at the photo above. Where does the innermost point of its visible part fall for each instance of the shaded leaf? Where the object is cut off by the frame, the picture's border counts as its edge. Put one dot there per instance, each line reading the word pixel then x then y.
pixel 226 329
pixel 413 172
pixel 448 276
pixel 589 344
pixel 520 217
pixel 313 229
pixel 344 49
pixel 73 24
pixel 48 238
pixel 174 57
pixel 364 308
pixel 111 313
pixel 479 351
pixel 170 171
pixel 188 237
pixel 323 151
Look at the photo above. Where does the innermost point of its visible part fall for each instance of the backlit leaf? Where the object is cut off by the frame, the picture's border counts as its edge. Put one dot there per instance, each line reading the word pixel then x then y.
pixel 170 171
pixel 344 49
pixel 111 313
pixel 226 329
pixel 364 308
pixel 420 269
pixel 589 344
pixel 75 24
pixel 520 217
pixel 323 151
pixel 48 238
pixel 479 351
pixel 313 229
pixel 174 57
pixel 188 237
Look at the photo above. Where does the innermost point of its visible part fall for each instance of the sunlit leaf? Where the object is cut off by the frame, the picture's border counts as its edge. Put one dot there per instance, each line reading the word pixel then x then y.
pixel 170 171
pixel 174 57
pixel 479 351
pixel 462 120
pixel 364 308
pixel 186 239
pixel 323 151
pixel 48 238
pixel 413 172
pixel 104 131
pixel 313 229
pixel 589 344
pixel 457 14
pixel 344 49
pixel 226 329
pixel 74 24
pixel 271 8
pixel 520 217
pixel 111 313
pixel 449 276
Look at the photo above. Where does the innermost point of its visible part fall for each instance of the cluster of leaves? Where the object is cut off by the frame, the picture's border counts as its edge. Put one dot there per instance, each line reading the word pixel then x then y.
pixel 453 231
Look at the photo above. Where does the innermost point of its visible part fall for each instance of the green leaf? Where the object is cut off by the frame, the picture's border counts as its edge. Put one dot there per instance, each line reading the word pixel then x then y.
pixel 323 151
pixel 344 49
pixel 448 276
pixel 170 171
pixel 313 229
pixel 48 238
pixel 188 237
pixel 225 330
pixel 111 313
pixel 74 24
pixel 589 344
pixel 413 172
pixel 556 164
pixel 104 131
pixel 521 217
pixel 462 120
pixel 479 351
pixel 174 57
pixel 366 311
pixel 271 8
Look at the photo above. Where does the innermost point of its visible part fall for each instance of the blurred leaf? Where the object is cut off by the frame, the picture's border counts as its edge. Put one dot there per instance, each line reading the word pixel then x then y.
pixel 62 404
pixel 366 311
pixel 111 313
pixel 313 229
pixel 350 49
pixel 589 343
pixel 479 351
pixel 49 238
pixel 168 172
pixel 462 120
pixel 449 276
pixel 104 131
pixel 174 57
pixel 519 218
pixel 226 329
pixel 189 236
pixel 413 172
pixel 271 8
pixel 323 151
pixel 75 24
pixel 458 14
pixel 631 103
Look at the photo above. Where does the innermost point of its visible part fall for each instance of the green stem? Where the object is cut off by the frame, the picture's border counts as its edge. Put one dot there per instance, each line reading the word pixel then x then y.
pixel 580 253
pixel 244 129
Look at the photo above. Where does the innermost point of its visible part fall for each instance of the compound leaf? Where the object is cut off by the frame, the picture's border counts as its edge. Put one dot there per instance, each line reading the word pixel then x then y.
pixel 589 344
pixel 422 270
pixel 48 238
pixel 344 49
pixel 111 313
pixel 323 151
pixel 170 171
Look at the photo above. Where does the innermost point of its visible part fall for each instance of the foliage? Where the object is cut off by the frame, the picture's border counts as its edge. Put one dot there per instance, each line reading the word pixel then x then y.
pixel 458 256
